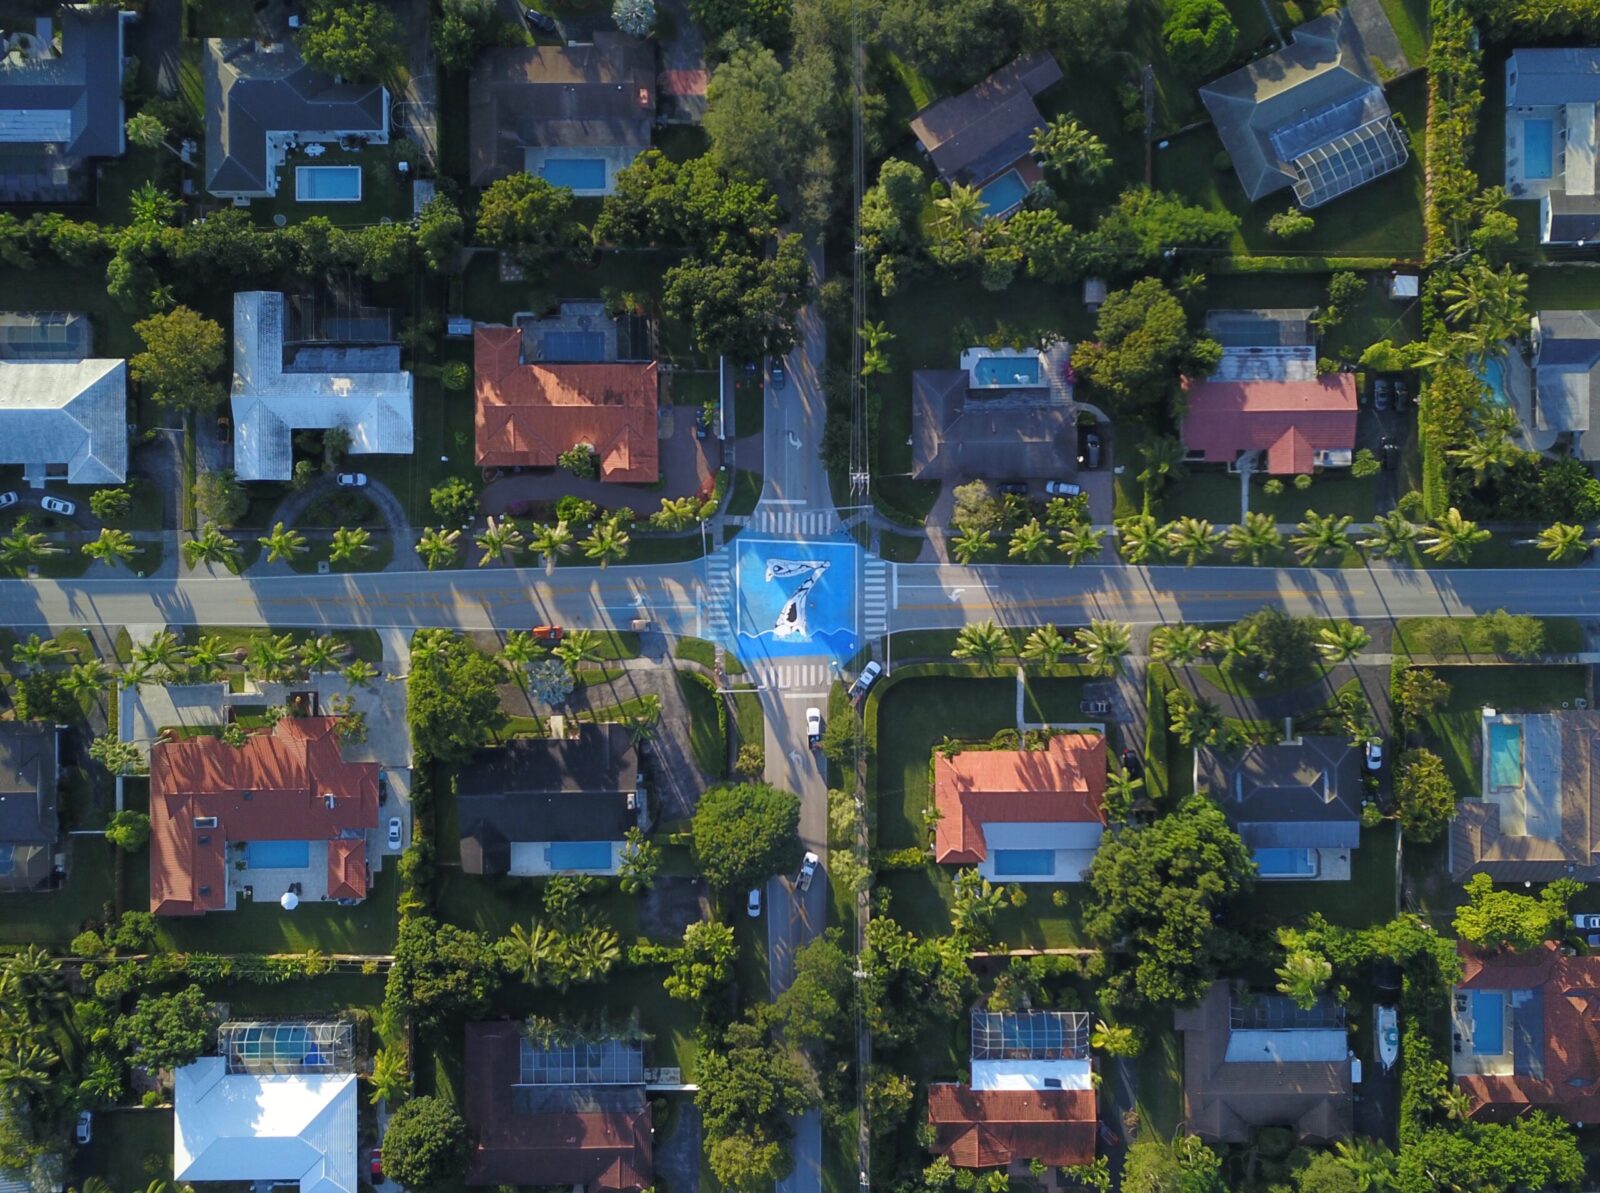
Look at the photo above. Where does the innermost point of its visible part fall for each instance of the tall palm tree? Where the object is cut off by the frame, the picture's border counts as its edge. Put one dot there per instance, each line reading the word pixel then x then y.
pixel 970 544
pixel 984 643
pixel 499 540
pixel 1045 646
pixel 1493 303
pixel 208 659
pixel 283 544
pixel 1257 536
pixel 1342 641
pixel 1030 541
pixel 1163 462
pixel 578 647
pixel 271 657
pixel 391 1080
pixel 36 652
pixel 593 952
pixel 1320 535
pixel 26 547
pixel 1139 538
pixel 607 542
pixel 438 546
pixel 1105 644
pixel 1490 453
pixel 1455 537
pixel 349 544
pixel 210 546
pixel 359 673
pixel 1192 538
pixel 531 950
pixel 1178 644
pixel 86 679
pixel 1079 541
pixel 112 547
pixel 1563 541
pixel 321 654
pixel 676 513
pixel 163 653
pixel 519 651
pixel 1392 535
pixel 1237 641
pixel 961 211
pixel 550 540
pixel 1122 788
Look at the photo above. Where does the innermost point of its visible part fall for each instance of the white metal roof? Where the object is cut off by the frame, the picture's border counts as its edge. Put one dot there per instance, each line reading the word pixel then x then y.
pixel 1031 1074
pixel 66 412
pixel 1287 1045
pixel 243 1127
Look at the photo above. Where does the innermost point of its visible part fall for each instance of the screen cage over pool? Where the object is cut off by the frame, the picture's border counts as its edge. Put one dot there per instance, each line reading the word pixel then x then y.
pixel 1030 1035
pixel 288 1046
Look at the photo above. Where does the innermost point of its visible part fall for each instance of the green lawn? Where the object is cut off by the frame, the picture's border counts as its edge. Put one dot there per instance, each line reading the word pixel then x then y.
pixel 493 905
pixel 1410 21
pixel 53 918
pixel 364 644
pixel 749 405
pixel 1425 637
pixel 696 650
pixel 443 423
pixel 330 992
pixel 1369 897
pixel 1455 732
pixel 385 193
pixel 900 548
pixel 743 492
pixel 707 737
pixel 130 1149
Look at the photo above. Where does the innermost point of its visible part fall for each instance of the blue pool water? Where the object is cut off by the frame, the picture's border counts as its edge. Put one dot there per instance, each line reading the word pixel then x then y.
pixel 278 855
pixel 1285 863
pixel 1505 756
pixel 806 587
pixel 327 184
pixel 580 855
pixel 1030 863
pixel 1488 1022
pixel 1492 372
pixel 1001 371
pixel 579 173
pixel 1538 148
pixel 1005 194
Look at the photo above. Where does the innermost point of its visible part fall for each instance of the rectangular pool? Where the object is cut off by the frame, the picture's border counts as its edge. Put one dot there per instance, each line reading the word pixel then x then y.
pixel 1488 1022
pixel 579 173
pixel 1004 195
pixel 1505 756
pixel 1538 148
pixel 1001 371
pixel 278 855
pixel 1031 863
pixel 580 855
pixel 327 184
pixel 1285 863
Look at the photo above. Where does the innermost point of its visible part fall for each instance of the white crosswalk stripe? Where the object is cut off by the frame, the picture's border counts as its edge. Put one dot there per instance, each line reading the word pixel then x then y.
pixel 794 676
pixel 797 523
pixel 719 600
pixel 875 598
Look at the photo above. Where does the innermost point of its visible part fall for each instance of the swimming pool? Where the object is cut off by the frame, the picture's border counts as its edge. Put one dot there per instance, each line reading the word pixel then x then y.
pixel 327 184
pixel 278 855
pixel 1492 372
pixel 1004 195
pixel 1505 756
pixel 1488 1022
pixel 1002 371
pixel 578 173
pixel 1285 863
pixel 1031 863
pixel 1538 148
pixel 580 855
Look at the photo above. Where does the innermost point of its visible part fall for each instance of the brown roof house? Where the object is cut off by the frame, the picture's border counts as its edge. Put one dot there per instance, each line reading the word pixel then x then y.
pixel 30 825
pixel 1526 1030
pixel 573 115
pixel 1538 815
pixel 542 1112
pixel 528 414
pixel 1006 412
pixel 1257 1060
pixel 1022 815
pixel 1031 1096
pixel 984 136
pixel 282 817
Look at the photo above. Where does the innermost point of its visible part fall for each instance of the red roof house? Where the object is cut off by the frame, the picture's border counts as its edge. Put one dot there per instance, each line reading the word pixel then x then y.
pixel 528 414
pixel 995 805
pixel 287 783
pixel 1295 423
pixel 993 1128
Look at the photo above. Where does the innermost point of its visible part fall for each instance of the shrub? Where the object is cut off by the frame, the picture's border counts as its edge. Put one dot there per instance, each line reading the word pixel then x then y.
pixel 455 377
pixel 1286 225
pixel 1199 36
pixel 1222 161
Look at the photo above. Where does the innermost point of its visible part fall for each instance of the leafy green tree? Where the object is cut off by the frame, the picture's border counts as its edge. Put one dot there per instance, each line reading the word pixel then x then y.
pixel 167 1031
pixel 355 39
pixel 1303 975
pixel 1284 645
pixel 454 501
pixel 1137 232
pixel 525 215
pixel 220 498
pixel 1494 920
pixel 910 982
pixel 1537 1151
pixel 766 20
pixel 1199 36
pixel 1425 796
pixel 976 507
pixel 1071 151
pixel 129 831
pixel 816 1012
pixel 110 505
pixel 704 966
pixel 440 972
pixel 751 118
pixel 425 1143
pixel 1142 340
pixel 391 1076
pixel 183 353
pixel 741 305
pixel 452 696
pixel 975 903
pixel 1185 1165
pixel 750 1085
pixel 745 833
pixel 1116 1039
pixel 1419 692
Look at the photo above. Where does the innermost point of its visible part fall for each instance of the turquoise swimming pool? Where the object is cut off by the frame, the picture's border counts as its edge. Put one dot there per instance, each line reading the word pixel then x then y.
pixel 1024 863
pixel 1505 756
pixel 327 184
pixel 1538 148
pixel 580 855
pixel 1285 863
pixel 579 173
pixel 278 855
pixel 1488 1022
pixel 1005 194
pixel 1492 372
pixel 1002 371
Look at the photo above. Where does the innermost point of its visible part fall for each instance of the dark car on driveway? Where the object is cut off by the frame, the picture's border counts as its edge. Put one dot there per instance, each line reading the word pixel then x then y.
pixel 1088 447
pixel 541 22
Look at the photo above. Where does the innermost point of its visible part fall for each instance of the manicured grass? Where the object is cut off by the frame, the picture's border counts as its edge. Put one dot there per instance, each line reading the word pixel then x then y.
pixel 130 1148
pixel 1233 676
pixel 1056 699
pixel 749 723
pixel 1369 897
pixel 1425 637
pixel 744 490
pixel 53 918
pixel 493 905
pixel 1159 1096
pixel 696 650
pixel 330 992
pixel 900 548
pixel 1572 287
pixel 443 428
pixel 364 644
pixel 707 738
pixel 1214 495
pixel 1455 732
pixel 1410 21
pixel 749 406
pixel 385 193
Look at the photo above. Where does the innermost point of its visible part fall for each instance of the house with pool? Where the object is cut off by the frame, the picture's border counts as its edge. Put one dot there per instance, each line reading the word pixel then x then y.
pixel 573 115
pixel 282 818
pixel 1551 97
pixel 1535 818
pixel 984 136
pixel 1296 804
pixel 1265 409
pixel 1022 815
pixel 1554 392
pixel 1525 1033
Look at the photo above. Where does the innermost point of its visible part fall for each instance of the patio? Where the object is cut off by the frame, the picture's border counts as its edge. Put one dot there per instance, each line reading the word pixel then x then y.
pixel 1520 182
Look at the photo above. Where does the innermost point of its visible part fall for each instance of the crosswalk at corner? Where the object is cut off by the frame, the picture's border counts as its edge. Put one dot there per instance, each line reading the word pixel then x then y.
pixel 875 598
pixel 815 678
pixel 795 523
pixel 719 595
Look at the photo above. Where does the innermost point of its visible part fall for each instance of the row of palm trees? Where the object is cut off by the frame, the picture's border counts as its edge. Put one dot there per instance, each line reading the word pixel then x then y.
pixel 606 543
pixel 165 659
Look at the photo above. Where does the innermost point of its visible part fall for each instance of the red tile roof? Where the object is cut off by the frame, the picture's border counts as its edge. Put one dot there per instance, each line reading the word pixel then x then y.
pixel 287 783
pixel 991 1128
pixel 527 415
pixel 1289 420
pixel 1062 784
pixel 1570 986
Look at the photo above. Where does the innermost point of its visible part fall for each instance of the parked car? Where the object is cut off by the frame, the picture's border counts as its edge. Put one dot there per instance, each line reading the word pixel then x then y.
pixel 1374 754
pixel 1401 395
pixel 1088 447
pixel 548 634
pixel 777 376
pixel 1391 453
pixel 864 681
pixel 376 1170
pixel 1062 488
pixel 814 727
pixel 702 424
pixel 1382 393
pixel 808 868
pixel 59 505
pixel 1586 923
pixel 383 790
pixel 752 905
pixel 1020 488
pixel 540 21
pixel 7 499
pixel 394 834
pixel 85 1127
pixel 353 480
pixel 1132 764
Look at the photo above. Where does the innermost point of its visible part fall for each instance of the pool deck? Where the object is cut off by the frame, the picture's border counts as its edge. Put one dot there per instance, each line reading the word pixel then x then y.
pixel 1517 386
pixel 1532 809
pixel 615 158
pixel 1518 184
pixel 1465 1061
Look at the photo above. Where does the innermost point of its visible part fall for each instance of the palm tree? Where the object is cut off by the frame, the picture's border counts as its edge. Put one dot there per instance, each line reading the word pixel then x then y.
pixel 36 652
pixel 642 725
pixel 1392 535
pixel 1238 641
pixel 1080 541
pixel 984 643
pixel 1302 976
pixel 283 544
pixel 210 546
pixel 531 951
pixel 607 541
pixel 961 211
pixel 519 651
pixel 1370 1161
pixel 1045 646
pixel 551 540
pixel 163 653
pixel 208 659
pixel 1122 788
pixel 1115 1039
pixel 349 544
pixel 1139 538
pixel 1343 641
pixel 86 679
pixel 593 953
pixel 1321 535
pixel 1178 644
pixel 676 513
pixel 391 1080
pixel 1163 462
pixel 1456 537
pixel 1030 541
pixel 579 647
pixel 271 657
pixel 321 654
pixel 112 547
pixel 499 540
pixel 1257 537
pixel 26 548
pixel 360 673
pixel 1105 644
pixel 970 544
pixel 1491 452
pixel 1071 150
pixel 1562 540
pixel 1193 538
pixel 437 547
pixel 1494 304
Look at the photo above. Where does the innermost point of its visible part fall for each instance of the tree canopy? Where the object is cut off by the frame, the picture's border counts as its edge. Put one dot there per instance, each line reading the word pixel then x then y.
pixel 452 696
pixel 183 351
pixel 744 833
pixel 355 39
pixel 1142 341
pixel 425 1143
pixel 1507 919
pixel 440 971
pixel 1425 795
pixel 167 1031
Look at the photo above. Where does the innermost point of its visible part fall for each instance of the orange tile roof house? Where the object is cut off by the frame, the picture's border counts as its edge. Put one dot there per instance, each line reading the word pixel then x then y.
pixel 286 784
pixel 1298 425
pixel 528 414
pixel 1526 1030
pixel 1022 815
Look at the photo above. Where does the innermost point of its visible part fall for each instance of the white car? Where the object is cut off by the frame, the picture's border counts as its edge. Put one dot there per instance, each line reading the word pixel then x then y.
pixel 1062 489
pixel 394 833
pixel 864 681
pixel 353 480
pixel 808 868
pixel 814 726
pixel 1374 754
pixel 57 505
pixel 1586 923
pixel 8 499
pixel 84 1128
pixel 752 905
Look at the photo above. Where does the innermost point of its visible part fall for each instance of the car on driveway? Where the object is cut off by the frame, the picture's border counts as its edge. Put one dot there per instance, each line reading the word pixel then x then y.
pixel 58 505
pixel 1018 488
pixel 85 1128
pixel 1132 764
pixel 376 1169
pixel 777 376
pixel 752 905
pixel 1374 754
pixel 814 727
pixel 1382 393
pixel 540 21
pixel 394 834
pixel 1088 447
pixel 353 480
pixel 1062 489
pixel 864 681
pixel 8 499
pixel 1586 923
pixel 808 870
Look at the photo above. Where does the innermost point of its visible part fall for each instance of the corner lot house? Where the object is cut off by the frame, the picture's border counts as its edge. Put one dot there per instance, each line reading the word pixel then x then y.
pixel 65 420
pixel 541 1112
pixel 1265 409
pixel 60 110
pixel 537 806
pixel 1022 815
pixel 30 823
pixel 286 804
pixel 1525 1033
pixel 1296 804
pixel 573 115
pixel 1536 819
pixel 1312 117
pixel 1005 413
pixel 1031 1096
pixel 1566 382
pixel 263 101
pixel 1261 1061
pixel 984 136
pixel 1550 138
pixel 280 388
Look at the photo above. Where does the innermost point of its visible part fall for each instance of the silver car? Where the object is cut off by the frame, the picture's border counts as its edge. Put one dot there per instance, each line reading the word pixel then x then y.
pixel 394 834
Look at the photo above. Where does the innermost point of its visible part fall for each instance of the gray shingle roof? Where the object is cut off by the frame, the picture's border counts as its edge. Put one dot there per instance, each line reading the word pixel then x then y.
pixel 958 434
pixel 1553 78
pixel 973 136
pixel 29 822
pixel 84 83
pixel 1304 795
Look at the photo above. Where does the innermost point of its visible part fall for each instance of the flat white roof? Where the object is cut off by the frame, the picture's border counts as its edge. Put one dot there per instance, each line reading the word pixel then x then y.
pixel 1578 173
pixel 1287 1046
pixel 1031 1074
